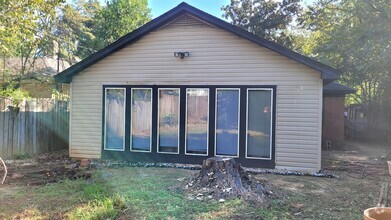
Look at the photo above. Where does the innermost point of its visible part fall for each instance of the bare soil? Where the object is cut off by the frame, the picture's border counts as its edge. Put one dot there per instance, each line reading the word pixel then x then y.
pixel 43 169
pixel 360 160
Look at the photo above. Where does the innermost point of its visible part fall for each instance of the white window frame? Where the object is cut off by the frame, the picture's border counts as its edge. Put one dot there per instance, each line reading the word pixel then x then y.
pixel 237 147
pixel 271 122
pixel 131 121
pixel 105 127
pixel 207 129
pixel 158 120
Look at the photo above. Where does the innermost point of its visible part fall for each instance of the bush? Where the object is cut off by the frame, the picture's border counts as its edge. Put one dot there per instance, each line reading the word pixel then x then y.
pixel 169 119
pixel 21 156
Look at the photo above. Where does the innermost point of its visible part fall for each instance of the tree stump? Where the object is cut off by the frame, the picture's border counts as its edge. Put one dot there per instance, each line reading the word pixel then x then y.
pixel 224 178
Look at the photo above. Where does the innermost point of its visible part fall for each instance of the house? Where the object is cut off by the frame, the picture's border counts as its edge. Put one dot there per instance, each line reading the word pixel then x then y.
pixel 187 86
pixel 333 131
pixel 357 121
pixel 37 78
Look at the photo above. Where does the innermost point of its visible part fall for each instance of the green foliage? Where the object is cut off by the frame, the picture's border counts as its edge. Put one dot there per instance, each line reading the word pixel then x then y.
pixel 118 18
pixel 169 119
pixel 74 29
pixel 60 95
pixel 86 27
pixel 21 156
pixel 25 26
pixel 36 28
pixel 13 92
pixel 268 19
pixel 354 37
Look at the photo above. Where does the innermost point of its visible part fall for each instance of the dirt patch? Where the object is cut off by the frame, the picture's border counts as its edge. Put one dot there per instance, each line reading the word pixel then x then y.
pixel 359 160
pixel 359 151
pixel 43 169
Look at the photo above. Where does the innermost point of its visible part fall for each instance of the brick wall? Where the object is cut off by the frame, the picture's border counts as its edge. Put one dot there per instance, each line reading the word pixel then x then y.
pixel 333 121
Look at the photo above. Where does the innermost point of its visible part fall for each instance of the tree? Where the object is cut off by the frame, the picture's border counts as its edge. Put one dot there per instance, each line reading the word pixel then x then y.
pixel 24 27
pixel 36 29
pixel 267 19
pixel 74 30
pixel 31 29
pixel 118 18
pixel 354 36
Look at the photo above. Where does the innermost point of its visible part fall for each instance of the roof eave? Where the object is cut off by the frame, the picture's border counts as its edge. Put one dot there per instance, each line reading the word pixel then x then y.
pixel 338 89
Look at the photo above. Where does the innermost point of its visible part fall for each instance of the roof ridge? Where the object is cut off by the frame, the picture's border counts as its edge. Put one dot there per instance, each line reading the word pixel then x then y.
pixel 328 73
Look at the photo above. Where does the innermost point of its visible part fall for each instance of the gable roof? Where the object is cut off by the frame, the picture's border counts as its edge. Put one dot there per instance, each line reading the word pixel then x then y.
pixel 328 74
pixel 337 89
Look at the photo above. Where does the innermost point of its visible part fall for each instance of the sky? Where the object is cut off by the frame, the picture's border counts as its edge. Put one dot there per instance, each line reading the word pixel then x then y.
pixel 212 7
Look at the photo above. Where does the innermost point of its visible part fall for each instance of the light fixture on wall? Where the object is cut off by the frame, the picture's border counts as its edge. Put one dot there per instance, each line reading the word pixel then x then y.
pixel 181 54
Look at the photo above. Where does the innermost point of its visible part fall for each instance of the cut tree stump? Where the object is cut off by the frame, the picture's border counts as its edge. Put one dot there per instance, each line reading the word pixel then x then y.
pixel 224 178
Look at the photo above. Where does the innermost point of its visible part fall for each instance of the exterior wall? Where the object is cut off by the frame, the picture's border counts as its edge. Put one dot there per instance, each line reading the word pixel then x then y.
pixel 217 57
pixel 333 124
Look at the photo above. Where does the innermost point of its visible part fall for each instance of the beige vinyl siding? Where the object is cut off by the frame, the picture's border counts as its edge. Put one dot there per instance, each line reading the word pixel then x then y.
pixel 217 57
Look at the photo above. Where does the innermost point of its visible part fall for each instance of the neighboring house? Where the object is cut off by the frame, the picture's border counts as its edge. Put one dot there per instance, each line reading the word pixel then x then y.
pixel 187 86
pixel 356 112
pixel 357 121
pixel 333 131
pixel 39 70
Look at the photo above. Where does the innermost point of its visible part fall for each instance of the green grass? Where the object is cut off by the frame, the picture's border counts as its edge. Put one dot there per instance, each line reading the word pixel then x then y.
pixel 102 203
pixel 105 208
pixel 79 199
pixel 153 196
pixel 155 193
pixel 136 193
pixel 277 210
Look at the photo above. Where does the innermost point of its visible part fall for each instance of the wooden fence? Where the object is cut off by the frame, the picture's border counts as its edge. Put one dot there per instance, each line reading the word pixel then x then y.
pixel 41 125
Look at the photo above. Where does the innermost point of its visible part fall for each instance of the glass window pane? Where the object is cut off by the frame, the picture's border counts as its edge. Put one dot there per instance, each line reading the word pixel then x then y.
pixel 141 119
pixel 114 119
pixel 168 121
pixel 227 122
pixel 259 116
pixel 197 118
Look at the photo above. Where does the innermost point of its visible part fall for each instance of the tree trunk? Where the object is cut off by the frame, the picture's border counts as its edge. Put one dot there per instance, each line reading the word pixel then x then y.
pixel 224 178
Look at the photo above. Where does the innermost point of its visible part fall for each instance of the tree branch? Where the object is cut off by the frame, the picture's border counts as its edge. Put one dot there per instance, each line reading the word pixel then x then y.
pixel 5 171
pixel 381 11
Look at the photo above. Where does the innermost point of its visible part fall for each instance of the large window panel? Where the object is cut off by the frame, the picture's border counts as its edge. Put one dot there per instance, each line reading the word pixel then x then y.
pixel 114 124
pixel 197 121
pixel 168 120
pixel 141 119
pixel 259 123
pixel 227 122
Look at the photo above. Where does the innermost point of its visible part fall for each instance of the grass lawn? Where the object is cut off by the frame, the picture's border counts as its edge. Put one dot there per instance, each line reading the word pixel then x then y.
pixel 155 193
pixel 126 193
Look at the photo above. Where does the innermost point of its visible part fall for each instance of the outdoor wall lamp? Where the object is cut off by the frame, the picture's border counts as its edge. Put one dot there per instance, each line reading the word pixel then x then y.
pixel 181 54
